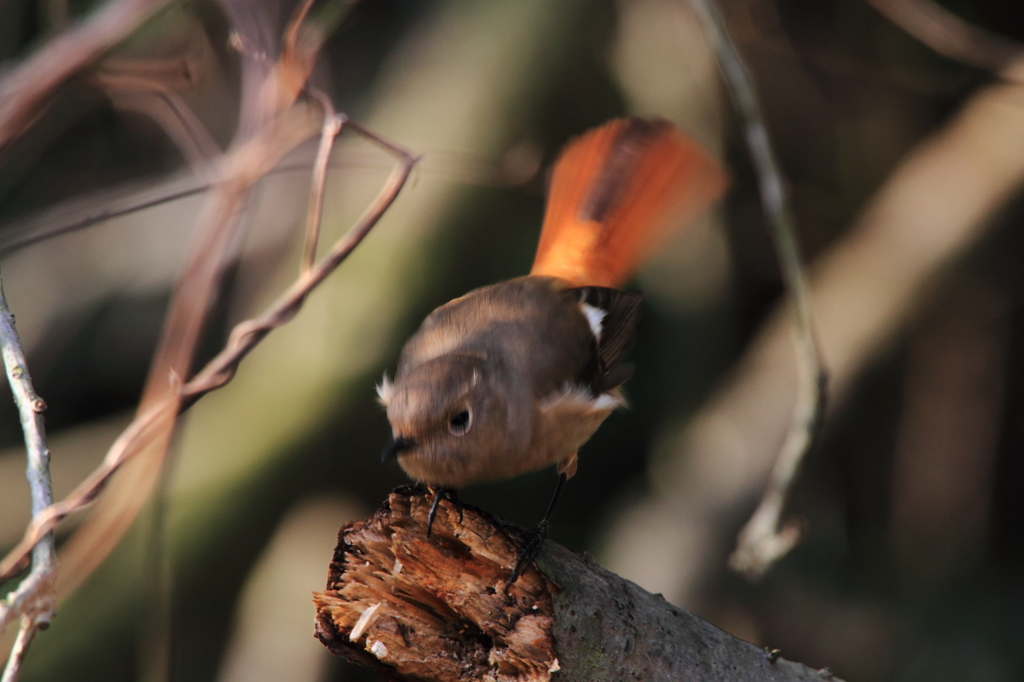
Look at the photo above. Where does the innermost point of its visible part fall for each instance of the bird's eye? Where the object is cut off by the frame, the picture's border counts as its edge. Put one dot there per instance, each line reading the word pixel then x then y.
pixel 459 424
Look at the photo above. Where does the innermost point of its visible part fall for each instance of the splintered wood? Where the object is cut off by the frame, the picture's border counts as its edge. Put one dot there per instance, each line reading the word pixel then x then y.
pixel 437 608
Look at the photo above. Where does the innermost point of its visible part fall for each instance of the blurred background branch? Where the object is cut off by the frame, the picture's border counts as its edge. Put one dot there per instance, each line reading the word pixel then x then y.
pixel 950 36
pixel 762 542
pixel 148 436
pixel 24 89
pixel 903 183
pixel 269 127
pixel 159 412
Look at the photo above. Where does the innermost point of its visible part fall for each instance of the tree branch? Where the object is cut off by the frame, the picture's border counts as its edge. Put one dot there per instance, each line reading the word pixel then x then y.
pixel 12 671
pixel 218 371
pixel 271 124
pixel 24 89
pixel 331 127
pixel 438 609
pixel 952 37
pixel 761 542
pixel 246 335
pixel 34 597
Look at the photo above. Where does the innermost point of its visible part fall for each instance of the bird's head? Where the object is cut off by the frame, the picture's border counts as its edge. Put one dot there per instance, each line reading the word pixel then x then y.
pixel 443 415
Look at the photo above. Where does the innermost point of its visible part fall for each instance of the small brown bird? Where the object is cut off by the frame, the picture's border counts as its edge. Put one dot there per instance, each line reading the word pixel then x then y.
pixel 516 376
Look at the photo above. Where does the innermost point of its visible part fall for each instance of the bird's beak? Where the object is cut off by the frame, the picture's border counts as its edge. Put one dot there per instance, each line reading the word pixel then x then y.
pixel 396 445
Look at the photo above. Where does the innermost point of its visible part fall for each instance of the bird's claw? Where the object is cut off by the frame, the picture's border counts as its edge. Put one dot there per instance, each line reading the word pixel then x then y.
pixel 448 494
pixel 528 548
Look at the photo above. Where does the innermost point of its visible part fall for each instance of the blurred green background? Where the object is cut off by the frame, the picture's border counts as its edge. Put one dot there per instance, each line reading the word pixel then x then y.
pixel 911 568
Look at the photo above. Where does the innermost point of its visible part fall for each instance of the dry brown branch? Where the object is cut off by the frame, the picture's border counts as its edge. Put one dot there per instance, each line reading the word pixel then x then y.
pixel 288 76
pixel 331 128
pixel 438 609
pixel 153 96
pixel 283 127
pixel 151 87
pixel 952 37
pixel 246 335
pixel 181 71
pixel 269 128
pixel 25 88
pixel 218 371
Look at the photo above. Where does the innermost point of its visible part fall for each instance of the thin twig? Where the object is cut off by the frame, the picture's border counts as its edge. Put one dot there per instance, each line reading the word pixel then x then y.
pixel 482 172
pixel 151 87
pixel 270 127
pixel 271 124
pixel 27 632
pixel 99 216
pixel 247 334
pixel 42 523
pixel 762 542
pixel 34 597
pixel 952 37
pixel 291 31
pixel 332 127
pixel 168 110
pixel 104 214
pixel 219 371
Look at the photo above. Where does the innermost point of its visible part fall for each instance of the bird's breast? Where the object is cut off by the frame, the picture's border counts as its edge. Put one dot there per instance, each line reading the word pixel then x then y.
pixel 564 421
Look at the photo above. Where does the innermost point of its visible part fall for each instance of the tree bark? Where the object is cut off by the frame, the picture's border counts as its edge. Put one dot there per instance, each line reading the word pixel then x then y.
pixel 438 608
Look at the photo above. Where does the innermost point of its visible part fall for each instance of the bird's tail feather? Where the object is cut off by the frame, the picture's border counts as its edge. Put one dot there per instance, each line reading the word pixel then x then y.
pixel 613 191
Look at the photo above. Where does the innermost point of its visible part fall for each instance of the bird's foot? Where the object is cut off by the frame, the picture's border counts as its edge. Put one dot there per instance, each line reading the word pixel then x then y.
pixel 448 494
pixel 529 545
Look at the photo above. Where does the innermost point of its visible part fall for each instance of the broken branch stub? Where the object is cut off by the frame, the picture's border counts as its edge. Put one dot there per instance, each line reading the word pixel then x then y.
pixel 438 609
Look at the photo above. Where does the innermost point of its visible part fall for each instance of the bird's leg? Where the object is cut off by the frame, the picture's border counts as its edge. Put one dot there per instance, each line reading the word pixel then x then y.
pixel 531 542
pixel 448 494
pixel 438 494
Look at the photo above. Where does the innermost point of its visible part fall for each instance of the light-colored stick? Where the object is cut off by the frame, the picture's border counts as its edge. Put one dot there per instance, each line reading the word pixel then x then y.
pixel 34 597
pixel 761 542
pixel 12 671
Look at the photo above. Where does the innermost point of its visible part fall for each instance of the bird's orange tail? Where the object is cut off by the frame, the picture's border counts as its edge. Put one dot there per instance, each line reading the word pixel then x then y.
pixel 613 191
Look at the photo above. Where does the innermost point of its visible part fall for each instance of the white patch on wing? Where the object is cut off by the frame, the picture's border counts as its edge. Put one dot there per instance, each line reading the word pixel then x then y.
pixel 608 401
pixel 595 316
pixel 566 419
pixel 575 395
pixel 580 397
pixel 384 390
